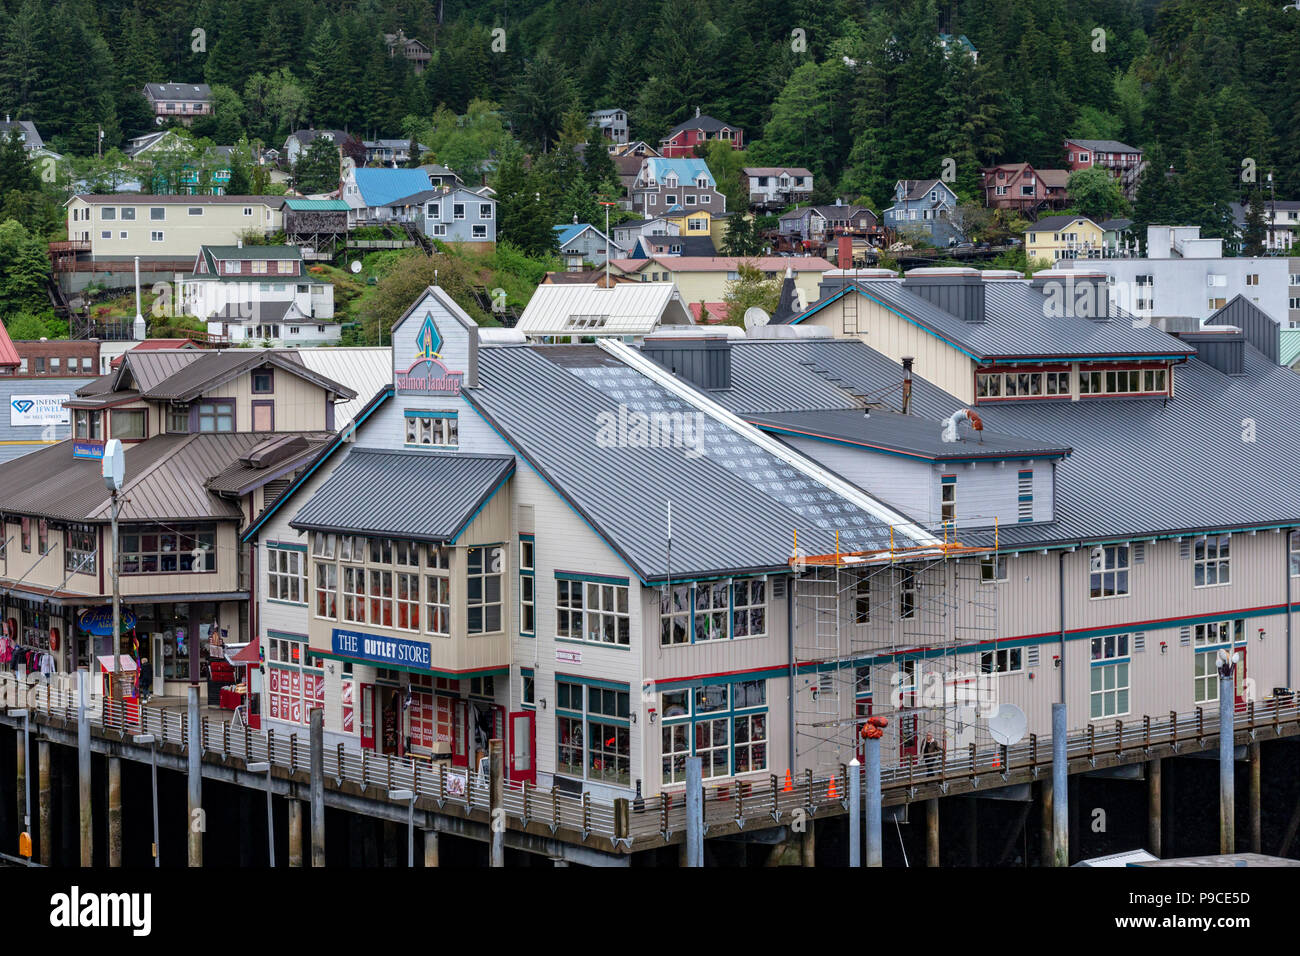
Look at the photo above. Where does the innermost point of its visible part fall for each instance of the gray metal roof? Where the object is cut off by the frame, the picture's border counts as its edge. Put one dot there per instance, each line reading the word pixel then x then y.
pixel 909 435
pixel 427 496
pixel 185 374
pixel 1104 145
pixel 782 376
pixel 1138 467
pixel 735 505
pixel 239 477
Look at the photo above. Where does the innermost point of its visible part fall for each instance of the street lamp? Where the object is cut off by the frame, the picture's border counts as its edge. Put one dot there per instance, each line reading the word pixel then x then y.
pixel 264 766
pixel 148 740
pixel 409 796
pixel 27 784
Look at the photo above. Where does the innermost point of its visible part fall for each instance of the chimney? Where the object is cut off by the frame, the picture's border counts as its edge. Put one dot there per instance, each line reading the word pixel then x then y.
pixel 958 290
pixel 907 384
pixel 1074 292
pixel 1222 346
pixel 701 355
pixel 697 112
pixel 239 243
pixel 844 256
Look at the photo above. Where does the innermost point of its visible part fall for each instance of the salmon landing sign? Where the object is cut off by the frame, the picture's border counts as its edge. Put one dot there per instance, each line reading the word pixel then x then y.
pixel 427 375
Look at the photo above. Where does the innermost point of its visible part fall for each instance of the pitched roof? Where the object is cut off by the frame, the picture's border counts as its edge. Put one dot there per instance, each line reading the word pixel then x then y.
pixel 31 138
pixel 1290 346
pixel 145 199
pixel 729 263
pixel 8 351
pixel 626 308
pixel 1054 178
pixel 251 252
pixel 184 374
pixel 364 369
pixel 567 233
pixel 381 187
pixel 1103 145
pixel 917 188
pixel 428 496
pixel 703 122
pixel 306 136
pixel 1116 225
pixel 153 345
pixel 246 472
pixel 686 170
pixel 775 171
pixel 317 205
pixel 179 91
pixel 1052 223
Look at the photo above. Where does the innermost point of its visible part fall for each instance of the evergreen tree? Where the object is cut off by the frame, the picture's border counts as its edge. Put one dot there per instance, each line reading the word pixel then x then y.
pixel 543 96
pixel 1254 234
pixel 525 217
pixel 317 169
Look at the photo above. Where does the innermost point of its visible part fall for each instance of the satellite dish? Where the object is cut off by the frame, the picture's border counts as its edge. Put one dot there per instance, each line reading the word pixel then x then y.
pixel 356 266
pixel 755 317
pixel 114 465
pixel 1008 725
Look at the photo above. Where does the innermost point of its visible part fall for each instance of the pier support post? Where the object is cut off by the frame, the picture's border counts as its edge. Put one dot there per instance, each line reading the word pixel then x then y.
pixel 695 812
pixel 932 832
pixel 317 787
pixel 431 848
pixel 295 833
pixel 1155 805
pixel 874 803
pixel 1227 770
pixel 83 771
pixel 808 844
pixel 1046 855
pixel 1060 789
pixel 194 744
pixel 43 798
pixel 496 801
pixel 1256 825
pixel 114 811
pixel 855 812
pixel 24 813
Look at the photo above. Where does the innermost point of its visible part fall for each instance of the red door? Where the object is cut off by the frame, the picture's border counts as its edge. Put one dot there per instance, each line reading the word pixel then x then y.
pixel 907 742
pixel 368 716
pixel 523 745
pixel 460 733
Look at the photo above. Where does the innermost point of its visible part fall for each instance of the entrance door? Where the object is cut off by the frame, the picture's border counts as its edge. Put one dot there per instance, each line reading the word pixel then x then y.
pixel 1239 680
pixel 459 733
pixel 368 716
pixel 523 744
pixel 907 742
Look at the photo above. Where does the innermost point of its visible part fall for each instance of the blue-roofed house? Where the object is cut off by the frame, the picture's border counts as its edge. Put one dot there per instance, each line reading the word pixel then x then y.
pixel 373 195
pixel 664 183
pixel 582 242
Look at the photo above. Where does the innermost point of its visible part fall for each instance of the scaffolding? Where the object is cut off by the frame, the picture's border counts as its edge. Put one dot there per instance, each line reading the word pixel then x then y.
pixel 904 633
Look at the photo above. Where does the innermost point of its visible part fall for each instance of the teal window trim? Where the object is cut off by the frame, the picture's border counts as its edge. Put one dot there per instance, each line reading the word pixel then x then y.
pixel 427 413
pixel 591 578
pixel 730 714
pixel 1107 661
pixel 731 608
pixel 593 682
pixel 284 546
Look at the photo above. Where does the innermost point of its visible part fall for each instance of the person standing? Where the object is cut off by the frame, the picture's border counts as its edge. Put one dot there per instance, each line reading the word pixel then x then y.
pixel 146 680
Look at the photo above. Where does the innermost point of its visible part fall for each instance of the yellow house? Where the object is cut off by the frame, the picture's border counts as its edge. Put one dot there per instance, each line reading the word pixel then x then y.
pixel 124 225
pixel 705 278
pixel 693 221
pixel 1064 237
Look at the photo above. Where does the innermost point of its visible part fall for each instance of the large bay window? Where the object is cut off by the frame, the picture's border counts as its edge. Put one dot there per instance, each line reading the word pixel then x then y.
pixel 713 611
pixel 483 568
pixel 173 548
pixel 723 724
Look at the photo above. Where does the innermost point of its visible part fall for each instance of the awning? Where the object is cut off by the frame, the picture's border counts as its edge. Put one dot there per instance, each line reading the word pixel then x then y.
pixel 426 496
pixel 125 663
pixel 249 654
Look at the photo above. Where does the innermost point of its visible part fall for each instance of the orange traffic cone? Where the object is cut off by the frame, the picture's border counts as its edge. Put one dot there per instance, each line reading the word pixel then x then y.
pixel 789 784
pixel 997 761
pixel 831 792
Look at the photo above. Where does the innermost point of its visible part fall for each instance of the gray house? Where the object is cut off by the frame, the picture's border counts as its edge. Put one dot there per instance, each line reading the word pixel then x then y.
pixel 582 242
pixel 923 207
pixel 459 215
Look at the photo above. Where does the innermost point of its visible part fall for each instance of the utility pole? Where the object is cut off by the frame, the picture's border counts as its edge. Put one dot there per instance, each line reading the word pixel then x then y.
pixel 606 205
pixel 114 471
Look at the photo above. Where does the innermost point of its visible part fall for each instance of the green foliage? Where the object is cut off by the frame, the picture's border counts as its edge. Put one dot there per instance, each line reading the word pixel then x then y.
pixel 742 237
pixel 465 143
pixel 26 326
pixel 542 98
pixel 317 169
pixel 750 289
pixel 1255 231
pixel 526 205
pixel 1097 194
pixel 24 269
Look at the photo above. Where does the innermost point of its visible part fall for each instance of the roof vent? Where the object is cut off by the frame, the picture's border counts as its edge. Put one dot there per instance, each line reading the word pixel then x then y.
pixel 1076 293
pixel 1222 346
pixel 958 291
pixel 274 450
pixel 701 356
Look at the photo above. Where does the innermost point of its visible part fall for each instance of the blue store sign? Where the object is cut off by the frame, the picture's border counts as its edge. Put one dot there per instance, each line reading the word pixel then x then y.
pixel 88 449
pixel 99 620
pixel 381 650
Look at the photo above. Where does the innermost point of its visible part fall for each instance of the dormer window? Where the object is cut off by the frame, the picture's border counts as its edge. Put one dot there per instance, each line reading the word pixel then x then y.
pixel 670 180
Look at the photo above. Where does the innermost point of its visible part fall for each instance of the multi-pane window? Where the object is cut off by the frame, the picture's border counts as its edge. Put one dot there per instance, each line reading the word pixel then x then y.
pixel 381 598
pixel 862 601
pixel 609 756
pixel 216 416
pixel 437 608
pixel 606 612
pixel 381 550
pixel 286 574
pixel 438 431
pixel 993 567
pixel 1212 560
pixel 993 385
pixel 483 566
pixel 89 424
pixel 1293 550
pixel 1108 571
pixel 407 604
pixel 711 611
pixel 1205 677
pixel 294 682
pixel 1123 381
pixel 1109 688
pixel 352 548
pixel 1208 639
pixel 675 615
pixel 327 591
pixel 79 550
pixel 749 608
pixel 568 609
pixel 178 419
pixel 354 595
pixel 184 547
pixel 948 502
pixel 723 724
pixel 1004 660
pixel 907 596
pixel 569 746
pixel 527 586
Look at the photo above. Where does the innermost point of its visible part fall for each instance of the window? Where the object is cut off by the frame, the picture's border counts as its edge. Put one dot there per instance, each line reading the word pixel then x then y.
pixel 1212 565
pixel 381 598
pixel 186 547
pixel 25 533
pixel 568 609
pixel 862 601
pixel 432 210
pixel 89 424
pixel 106 234
pixel 43 536
pixel 993 567
pixel 527 586
pixel 1209 639
pixel 948 502
pixel 157 213
pixel 248 210
pixel 1004 660
pixel 156 236
pixel 483 567
pixel 437 595
pixel 711 611
pixel 458 210
pixel 194 211
pixel 1109 690
pixel 381 551
pixel 294 682
pixel 607 614
pixel 79 549
pixel 108 214
pixel 485 210
pixel 439 230
pixel 354 595
pixel 1293 540
pixel 690 199
pixel 670 199
pixel 286 574
pixel 723 724
pixel 1252 279
pixel 216 416
pixel 675 615
pixel 436 429
pixel 527 689
pixel 609 756
pixel 749 608
pixel 1108 571
pixel 263 382
pixel 128 424
pixel 907 596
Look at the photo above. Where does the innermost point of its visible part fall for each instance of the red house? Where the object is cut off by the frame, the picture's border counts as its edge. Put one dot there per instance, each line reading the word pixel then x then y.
pixel 1021 187
pixel 687 135
pixel 1124 162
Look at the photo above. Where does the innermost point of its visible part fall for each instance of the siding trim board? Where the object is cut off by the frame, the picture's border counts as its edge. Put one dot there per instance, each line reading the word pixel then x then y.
pixel 1045 546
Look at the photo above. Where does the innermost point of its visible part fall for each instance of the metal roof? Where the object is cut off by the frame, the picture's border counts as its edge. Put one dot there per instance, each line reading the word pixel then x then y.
pixel 626 308
pixel 240 477
pixel 912 436
pixel 1054 223
pixel 428 496
pixel 735 505
pixel 184 374
pixel 1104 145
pixel 365 370
pixel 317 205
pixel 381 187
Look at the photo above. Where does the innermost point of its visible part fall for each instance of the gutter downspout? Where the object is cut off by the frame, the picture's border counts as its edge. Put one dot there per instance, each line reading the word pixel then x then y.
pixel 789 643
pixel 1060 567
pixel 1286 570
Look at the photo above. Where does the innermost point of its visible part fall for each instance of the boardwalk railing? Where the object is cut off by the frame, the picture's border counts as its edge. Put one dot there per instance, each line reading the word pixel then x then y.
pixel 751 802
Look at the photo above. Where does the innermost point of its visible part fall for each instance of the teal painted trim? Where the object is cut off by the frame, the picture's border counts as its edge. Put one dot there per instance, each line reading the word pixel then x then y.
pixel 593 578
pixel 1110 660
pixel 302 479
pixel 490 495
pixel 422 413
pixel 1025 498
pixel 287 603
pixel 526 672
pixel 583 643
pixel 524 536
pixel 1090 359
pixel 286 547
pixel 289 636
pixel 949 479
pixel 594 682
pixel 446 674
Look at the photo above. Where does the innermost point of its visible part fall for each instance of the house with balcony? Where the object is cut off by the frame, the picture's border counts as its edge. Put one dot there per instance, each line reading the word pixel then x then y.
pixel 612 124
pixel 181 102
pixel 683 138
pixel 416 52
pixel 662 184
pixel 1281 224
pixel 1064 237
pixel 922 209
pixel 811 228
pixel 210 437
pixel 1120 160
pixel 627 233
pixel 1021 187
pixel 392 153
pixel 774 187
